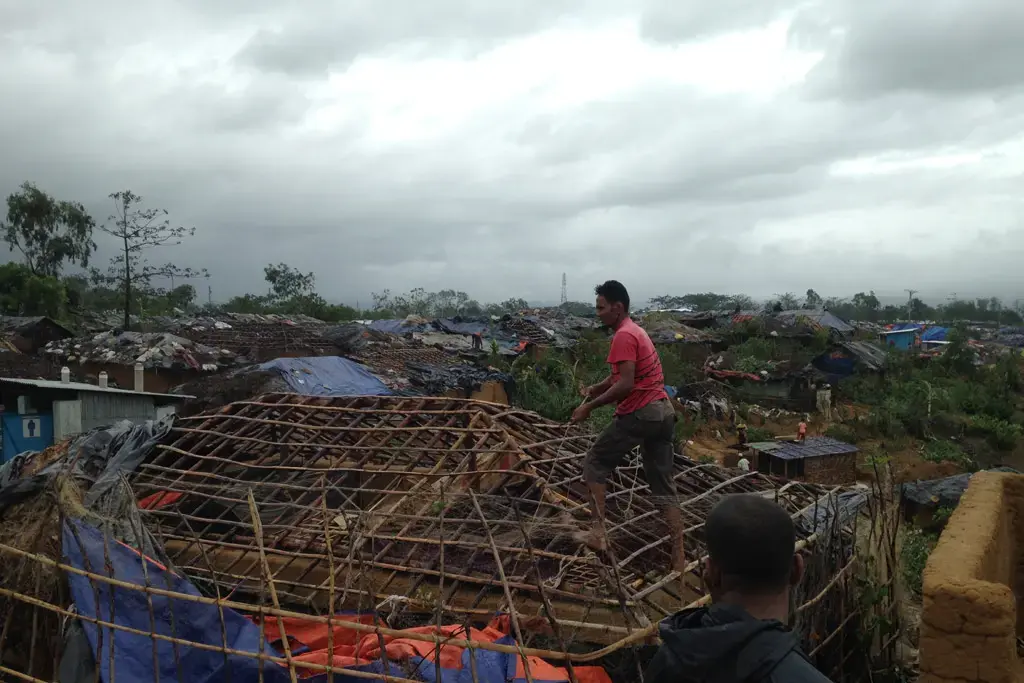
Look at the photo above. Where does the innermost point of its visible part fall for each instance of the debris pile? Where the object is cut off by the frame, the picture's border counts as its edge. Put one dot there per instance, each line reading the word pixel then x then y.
pixel 663 330
pixel 152 349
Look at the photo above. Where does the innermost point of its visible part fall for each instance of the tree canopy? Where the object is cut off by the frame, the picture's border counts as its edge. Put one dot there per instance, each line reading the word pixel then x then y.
pixel 47 232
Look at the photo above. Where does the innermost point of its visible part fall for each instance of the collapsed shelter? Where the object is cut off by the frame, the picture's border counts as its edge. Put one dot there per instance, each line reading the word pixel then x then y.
pixel 423 514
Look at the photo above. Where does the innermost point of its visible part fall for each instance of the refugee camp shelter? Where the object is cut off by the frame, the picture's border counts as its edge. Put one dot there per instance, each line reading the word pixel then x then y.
pixel 819 459
pixel 29 334
pixel 902 338
pixel 34 413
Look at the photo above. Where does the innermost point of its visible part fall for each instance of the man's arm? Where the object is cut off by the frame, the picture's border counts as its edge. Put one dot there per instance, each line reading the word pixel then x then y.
pixel 620 389
pixel 597 389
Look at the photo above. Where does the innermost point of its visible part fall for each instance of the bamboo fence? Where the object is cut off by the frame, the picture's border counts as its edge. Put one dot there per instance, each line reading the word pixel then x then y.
pixel 434 511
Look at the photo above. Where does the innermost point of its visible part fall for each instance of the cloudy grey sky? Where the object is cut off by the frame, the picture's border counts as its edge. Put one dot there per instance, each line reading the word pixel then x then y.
pixel 676 145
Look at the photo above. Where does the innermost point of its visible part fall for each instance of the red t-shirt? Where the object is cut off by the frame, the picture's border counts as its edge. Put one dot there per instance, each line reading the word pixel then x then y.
pixel 631 343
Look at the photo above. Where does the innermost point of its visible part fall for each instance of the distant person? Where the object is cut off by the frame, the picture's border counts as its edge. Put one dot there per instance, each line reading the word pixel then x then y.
pixel 478 341
pixel 741 435
pixel 741 638
pixel 743 464
pixel 644 417
pixel 801 429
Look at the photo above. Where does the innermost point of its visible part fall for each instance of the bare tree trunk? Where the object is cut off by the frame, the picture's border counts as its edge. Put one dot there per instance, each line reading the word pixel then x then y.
pixel 127 286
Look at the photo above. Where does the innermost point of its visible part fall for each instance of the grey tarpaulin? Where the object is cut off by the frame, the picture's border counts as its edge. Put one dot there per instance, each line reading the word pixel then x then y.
pixel 436 380
pixel 99 456
pixel 820 517
pixel 349 338
pixel 944 492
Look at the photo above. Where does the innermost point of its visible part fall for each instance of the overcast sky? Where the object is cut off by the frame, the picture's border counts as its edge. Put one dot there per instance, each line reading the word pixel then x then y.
pixel 675 145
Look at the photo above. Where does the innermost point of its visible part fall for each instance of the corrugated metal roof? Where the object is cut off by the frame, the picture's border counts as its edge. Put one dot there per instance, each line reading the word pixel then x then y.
pixel 872 355
pixel 82 386
pixel 818 317
pixel 12 323
pixel 813 447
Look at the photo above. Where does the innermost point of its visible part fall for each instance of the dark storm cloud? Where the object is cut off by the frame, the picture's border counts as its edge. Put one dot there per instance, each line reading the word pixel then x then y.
pixel 947 48
pixel 205 112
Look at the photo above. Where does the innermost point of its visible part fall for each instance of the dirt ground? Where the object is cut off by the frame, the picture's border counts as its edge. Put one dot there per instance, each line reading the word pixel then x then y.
pixel 712 441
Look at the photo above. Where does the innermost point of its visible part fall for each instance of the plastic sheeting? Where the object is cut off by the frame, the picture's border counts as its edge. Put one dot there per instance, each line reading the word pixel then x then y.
pixel 437 379
pixel 944 492
pixel 99 457
pixel 464 325
pixel 327 376
pixel 398 326
pixel 349 338
pixel 138 657
pixel 934 334
pixel 821 517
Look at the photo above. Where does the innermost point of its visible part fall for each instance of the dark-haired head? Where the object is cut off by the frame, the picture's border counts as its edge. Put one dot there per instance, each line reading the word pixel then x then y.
pixel 612 302
pixel 751 552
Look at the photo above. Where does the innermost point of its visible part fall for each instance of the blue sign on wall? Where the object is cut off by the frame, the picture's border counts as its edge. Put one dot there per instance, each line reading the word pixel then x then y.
pixel 25 433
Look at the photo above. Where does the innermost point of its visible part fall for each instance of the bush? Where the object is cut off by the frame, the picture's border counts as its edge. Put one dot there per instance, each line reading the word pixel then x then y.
pixel 947 451
pixel 841 433
pixel 917 546
pixel 755 434
pixel 1001 435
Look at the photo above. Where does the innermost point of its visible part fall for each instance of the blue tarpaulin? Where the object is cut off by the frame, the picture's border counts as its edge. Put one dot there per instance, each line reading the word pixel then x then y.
pixel 327 376
pixel 934 334
pixel 139 657
pixel 398 326
pixel 462 326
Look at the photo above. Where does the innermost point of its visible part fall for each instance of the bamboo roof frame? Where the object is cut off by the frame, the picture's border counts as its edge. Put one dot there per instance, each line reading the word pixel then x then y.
pixel 437 510
pixel 428 501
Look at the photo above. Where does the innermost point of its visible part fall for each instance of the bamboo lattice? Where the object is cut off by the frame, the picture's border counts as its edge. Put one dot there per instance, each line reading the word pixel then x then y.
pixel 433 511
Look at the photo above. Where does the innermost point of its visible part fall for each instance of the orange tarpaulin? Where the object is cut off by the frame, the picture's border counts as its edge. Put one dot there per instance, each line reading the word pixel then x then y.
pixel 308 642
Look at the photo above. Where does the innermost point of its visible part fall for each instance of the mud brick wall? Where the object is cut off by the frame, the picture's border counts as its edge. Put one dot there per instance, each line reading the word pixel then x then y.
pixel 831 469
pixel 969 623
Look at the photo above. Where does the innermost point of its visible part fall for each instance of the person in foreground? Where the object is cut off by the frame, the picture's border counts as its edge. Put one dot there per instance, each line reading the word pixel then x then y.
pixel 750 570
pixel 644 417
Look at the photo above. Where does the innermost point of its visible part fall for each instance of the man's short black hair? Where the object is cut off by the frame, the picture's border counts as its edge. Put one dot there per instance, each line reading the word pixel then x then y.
pixel 751 540
pixel 614 292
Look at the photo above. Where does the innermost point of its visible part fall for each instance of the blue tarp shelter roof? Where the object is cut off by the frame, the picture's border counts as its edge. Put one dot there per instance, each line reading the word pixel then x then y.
pixel 398 326
pixel 327 376
pixel 934 334
pixel 813 447
pixel 902 327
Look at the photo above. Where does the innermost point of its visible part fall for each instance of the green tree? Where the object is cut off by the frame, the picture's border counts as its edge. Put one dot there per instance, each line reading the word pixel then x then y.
pixel 23 292
pixel 138 230
pixel 46 231
pixel 182 296
pixel 703 301
pixel 866 306
pixel 813 300
pixel 288 283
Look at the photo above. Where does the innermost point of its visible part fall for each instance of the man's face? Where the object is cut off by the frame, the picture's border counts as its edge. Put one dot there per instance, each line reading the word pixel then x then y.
pixel 608 313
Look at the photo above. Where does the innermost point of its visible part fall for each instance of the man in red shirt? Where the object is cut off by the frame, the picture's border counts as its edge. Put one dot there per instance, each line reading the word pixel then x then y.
pixel 644 417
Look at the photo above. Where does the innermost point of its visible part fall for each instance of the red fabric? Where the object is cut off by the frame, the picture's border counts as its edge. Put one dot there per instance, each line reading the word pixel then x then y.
pixel 353 648
pixel 631 343
pixel 158 500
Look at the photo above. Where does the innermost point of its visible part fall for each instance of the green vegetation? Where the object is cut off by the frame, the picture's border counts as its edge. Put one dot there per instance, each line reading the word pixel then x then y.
pixel 917 546
pixel 756 434
pixel 943 399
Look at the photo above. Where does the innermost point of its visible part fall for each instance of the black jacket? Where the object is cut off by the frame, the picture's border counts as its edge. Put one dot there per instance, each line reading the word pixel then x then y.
pixel 724 644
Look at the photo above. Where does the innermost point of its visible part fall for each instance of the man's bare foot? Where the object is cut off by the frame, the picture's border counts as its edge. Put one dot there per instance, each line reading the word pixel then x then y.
pixel 593 539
